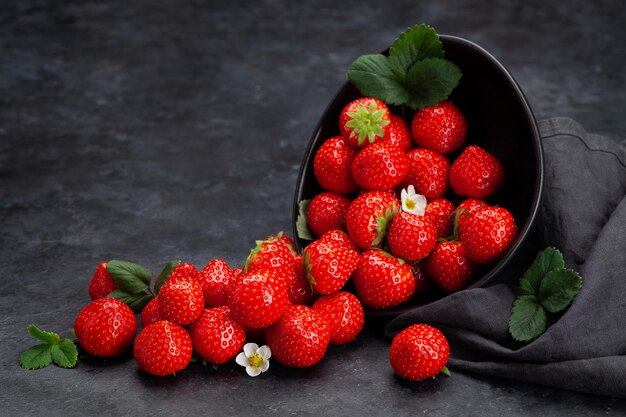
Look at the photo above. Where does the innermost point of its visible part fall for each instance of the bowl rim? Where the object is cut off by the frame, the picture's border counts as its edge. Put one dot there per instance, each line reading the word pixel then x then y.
pixel 527 228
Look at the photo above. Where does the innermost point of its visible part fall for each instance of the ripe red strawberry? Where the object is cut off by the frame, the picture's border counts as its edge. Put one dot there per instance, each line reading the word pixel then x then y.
pixel 344 314
pixel 150 313
pixel 448 266
pixel 441 128
pixel 237 272
pixel 101 283
pixel 286 240
pixel 105 327
pixel 383 281
pixel 215 280
pixel 398 133
pixel 380 167
pixel 327 211
pixel 217 338
pixel 163 348
pixel 428 173
pixel 369 216
pixel 440 212
pixel 331 166
pixel 327 266
pixel 419 352
pixel 271 254
pixel 180 299
pixel 300 291
pixel 258 300
pixel 476 173
pixel 185 270
pixel 340 238
pixel 411 236
pixel 489 233
pixel 364 121
pixel 300 338
pixel 464 212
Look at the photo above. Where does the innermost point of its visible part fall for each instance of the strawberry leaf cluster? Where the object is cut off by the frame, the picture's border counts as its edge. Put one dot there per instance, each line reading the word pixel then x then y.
pixel 134 282
pixel 547 288
pixel 53 349
pixel 415 73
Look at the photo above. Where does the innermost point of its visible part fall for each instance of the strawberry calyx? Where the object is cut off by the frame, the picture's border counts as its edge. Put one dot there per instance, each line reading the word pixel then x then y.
pixel 456 233
pixel 259 246
pixel 253 254
pixel 367 123
pixel 306 261
pixel 269 239
pixel 445 371
pixel 382 224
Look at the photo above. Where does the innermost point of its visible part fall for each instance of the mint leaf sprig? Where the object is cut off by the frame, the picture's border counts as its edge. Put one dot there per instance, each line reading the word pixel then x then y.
pixel 415 73
pixel 547 288
pixel 61 352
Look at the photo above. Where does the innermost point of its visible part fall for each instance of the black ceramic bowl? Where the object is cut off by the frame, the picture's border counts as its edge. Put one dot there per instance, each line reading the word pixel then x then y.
pixel 499 119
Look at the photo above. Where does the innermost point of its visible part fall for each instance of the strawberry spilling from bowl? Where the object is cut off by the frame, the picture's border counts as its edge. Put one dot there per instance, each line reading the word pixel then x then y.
pixel 429 161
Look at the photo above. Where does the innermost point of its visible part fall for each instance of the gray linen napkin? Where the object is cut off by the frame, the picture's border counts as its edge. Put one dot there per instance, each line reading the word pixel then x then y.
pixel 583 214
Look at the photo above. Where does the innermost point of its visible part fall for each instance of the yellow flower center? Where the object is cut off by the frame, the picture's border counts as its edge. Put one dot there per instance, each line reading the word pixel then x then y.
pixel 410 204
pixel 255 360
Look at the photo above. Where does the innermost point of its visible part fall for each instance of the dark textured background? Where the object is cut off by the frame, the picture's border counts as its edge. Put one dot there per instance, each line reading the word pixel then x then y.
pixel 148 130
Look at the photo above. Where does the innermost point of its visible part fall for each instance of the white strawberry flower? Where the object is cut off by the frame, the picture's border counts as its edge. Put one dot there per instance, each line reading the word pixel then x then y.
pixel 254 358
pixel 413 202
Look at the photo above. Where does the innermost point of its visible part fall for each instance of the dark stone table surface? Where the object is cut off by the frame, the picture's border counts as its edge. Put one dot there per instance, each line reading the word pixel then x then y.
pixel 147 130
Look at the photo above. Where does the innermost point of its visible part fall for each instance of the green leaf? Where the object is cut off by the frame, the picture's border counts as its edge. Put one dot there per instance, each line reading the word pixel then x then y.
pixel 558 288
pixel 131 277
pixel 302 222
pixel 528 319
pixel 61 351
pixel 165 274
pixel 48 337
pixel 64 354
pixel 373 77
pixel 547 260
pixel 136 302
pixel 36 357
pixel 414 44
pixel 431 81
pixel 547 286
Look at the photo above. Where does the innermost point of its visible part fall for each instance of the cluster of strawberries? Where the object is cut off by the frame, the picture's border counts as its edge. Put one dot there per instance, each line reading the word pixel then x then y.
pixel 388 195
pixel 215 311
pixel 297 304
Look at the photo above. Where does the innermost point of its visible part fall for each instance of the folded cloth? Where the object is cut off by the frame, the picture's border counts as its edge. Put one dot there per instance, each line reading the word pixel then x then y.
pixel 583 213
